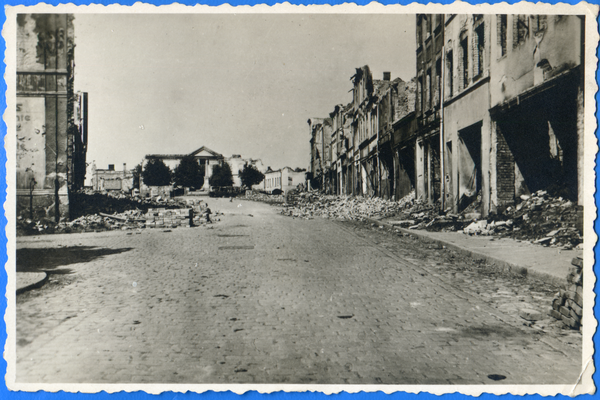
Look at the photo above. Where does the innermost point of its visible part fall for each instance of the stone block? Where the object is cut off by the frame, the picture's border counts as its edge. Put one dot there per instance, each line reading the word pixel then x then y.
pixel 578 299
pixel 555 314
pixel 577 261
pixel 530 314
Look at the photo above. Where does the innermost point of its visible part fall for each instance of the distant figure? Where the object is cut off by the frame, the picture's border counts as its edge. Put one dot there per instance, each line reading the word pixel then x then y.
pixel 231 199
pixel 208 212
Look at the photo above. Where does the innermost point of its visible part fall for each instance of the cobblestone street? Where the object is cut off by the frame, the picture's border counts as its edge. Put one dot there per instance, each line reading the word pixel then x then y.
pixel 262 298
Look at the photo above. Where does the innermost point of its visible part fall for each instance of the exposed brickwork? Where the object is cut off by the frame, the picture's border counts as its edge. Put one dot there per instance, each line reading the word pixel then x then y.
pixel 505 167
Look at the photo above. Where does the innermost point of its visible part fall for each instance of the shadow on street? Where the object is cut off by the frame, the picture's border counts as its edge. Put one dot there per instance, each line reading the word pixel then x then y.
pixel 49 259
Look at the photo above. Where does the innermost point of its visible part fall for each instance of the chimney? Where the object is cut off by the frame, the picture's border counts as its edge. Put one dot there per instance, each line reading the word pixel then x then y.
pixel 124 167
pixel 386 76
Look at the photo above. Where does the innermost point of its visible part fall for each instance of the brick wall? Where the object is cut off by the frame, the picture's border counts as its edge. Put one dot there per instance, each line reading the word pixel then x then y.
pixel 505 170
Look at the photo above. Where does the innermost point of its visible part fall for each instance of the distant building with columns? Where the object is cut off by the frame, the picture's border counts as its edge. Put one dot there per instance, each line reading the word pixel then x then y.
pixel 206 157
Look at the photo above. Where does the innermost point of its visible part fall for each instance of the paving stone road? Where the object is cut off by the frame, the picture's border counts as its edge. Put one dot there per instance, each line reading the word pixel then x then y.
pixel 263 298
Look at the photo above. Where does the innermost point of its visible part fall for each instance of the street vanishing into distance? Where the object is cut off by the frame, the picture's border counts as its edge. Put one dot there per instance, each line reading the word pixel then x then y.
pixel 258 297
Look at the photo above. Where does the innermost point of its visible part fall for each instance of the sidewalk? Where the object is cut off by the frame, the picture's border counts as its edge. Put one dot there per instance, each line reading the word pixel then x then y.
pixel 30 280
pixel 548 264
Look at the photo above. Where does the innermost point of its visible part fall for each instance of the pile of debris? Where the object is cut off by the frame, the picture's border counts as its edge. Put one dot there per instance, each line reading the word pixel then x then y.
pixel 129 219
pixel 84 203
pixel 102 216
pixel 265 198
pixel 539 218
pixel 313 204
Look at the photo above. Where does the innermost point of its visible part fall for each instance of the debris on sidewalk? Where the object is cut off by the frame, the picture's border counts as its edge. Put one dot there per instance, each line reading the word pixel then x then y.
pixel 537 218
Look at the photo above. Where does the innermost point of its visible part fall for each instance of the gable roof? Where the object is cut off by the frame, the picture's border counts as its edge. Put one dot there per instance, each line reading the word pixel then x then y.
pixel 205 149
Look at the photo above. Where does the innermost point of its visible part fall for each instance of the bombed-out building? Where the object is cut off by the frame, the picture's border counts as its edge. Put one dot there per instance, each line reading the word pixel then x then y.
pixel 51 124
pixel 111 179
pixel 499 108
pixel 494 113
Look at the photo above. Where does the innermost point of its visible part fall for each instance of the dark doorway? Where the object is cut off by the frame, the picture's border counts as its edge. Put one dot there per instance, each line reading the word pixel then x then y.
pixel 470 177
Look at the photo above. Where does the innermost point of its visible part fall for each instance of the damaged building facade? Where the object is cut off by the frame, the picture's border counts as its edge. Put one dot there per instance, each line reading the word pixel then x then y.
pixel 51 124
pixel 355 151
pixel 494 112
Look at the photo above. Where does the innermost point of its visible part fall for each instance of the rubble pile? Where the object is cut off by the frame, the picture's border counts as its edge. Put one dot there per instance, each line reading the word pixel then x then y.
pixel 129 219
pixel 111 212
pixel 538 218
pixel 164 218
pixel 265 198
pixel 313 204
pixel 86 203
pixel 567 304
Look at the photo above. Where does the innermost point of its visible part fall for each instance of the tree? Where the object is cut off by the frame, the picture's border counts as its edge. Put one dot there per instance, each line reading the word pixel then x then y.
pixel 251 176
pixel 221 175
pixel 156 173
pixel 188 173
pixel 137 174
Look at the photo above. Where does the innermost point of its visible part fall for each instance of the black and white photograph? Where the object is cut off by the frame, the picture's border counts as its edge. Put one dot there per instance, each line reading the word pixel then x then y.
pixel 329 198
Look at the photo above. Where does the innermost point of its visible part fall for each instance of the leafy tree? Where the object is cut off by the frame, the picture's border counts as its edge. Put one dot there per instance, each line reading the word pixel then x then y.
pixel 251 176
pixel 156 173
pixel 188 173
pixel 137 174
pixel 221 175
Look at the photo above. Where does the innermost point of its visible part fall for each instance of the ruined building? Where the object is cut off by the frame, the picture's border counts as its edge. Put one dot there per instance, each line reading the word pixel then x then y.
pixel 51 119
pixel 495 112
pixel 499 108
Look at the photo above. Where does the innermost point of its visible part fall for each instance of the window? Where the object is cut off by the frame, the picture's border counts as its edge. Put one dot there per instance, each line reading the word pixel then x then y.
pixel 438 81
pixel 501 21
pixel 520 29
pixel 420 94
pixel 464 48
pixel 539 23
pixel 449 74
pixel 437 24
pixel 420 31
pixel 426 26
pixel 479 50
pixel 428 89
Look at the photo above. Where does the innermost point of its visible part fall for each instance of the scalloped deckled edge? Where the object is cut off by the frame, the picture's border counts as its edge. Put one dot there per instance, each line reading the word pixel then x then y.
pixel 584 384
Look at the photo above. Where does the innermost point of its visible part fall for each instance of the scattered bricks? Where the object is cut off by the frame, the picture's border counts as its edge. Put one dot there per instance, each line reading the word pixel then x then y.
pixel 578 310
pixel 555 314
pixel 574 314
pixel 530 315
pixel 557 303
pixel 565 311
pixel 579 290
pixel 578 299
pixel 577 261
pixel 576 279
pixel 571 322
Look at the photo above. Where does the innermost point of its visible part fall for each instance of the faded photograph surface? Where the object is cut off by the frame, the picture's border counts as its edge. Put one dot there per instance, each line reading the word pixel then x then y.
pixel 373 199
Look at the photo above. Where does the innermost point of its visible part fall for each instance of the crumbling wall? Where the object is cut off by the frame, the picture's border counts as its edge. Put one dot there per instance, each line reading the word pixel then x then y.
pixel 44 91
pixel 549 47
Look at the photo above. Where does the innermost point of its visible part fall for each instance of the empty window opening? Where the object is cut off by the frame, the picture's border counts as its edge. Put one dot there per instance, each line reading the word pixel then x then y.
pixel 502 24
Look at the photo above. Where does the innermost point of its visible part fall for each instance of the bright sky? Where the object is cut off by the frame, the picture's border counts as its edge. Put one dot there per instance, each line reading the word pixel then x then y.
pixel 238 84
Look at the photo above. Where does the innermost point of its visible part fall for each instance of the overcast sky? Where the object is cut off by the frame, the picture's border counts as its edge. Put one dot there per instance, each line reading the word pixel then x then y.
pixel 238 84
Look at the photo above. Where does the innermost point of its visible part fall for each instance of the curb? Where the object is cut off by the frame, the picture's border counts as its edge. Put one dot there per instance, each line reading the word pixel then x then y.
pixel 34 285
pixel 495 263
